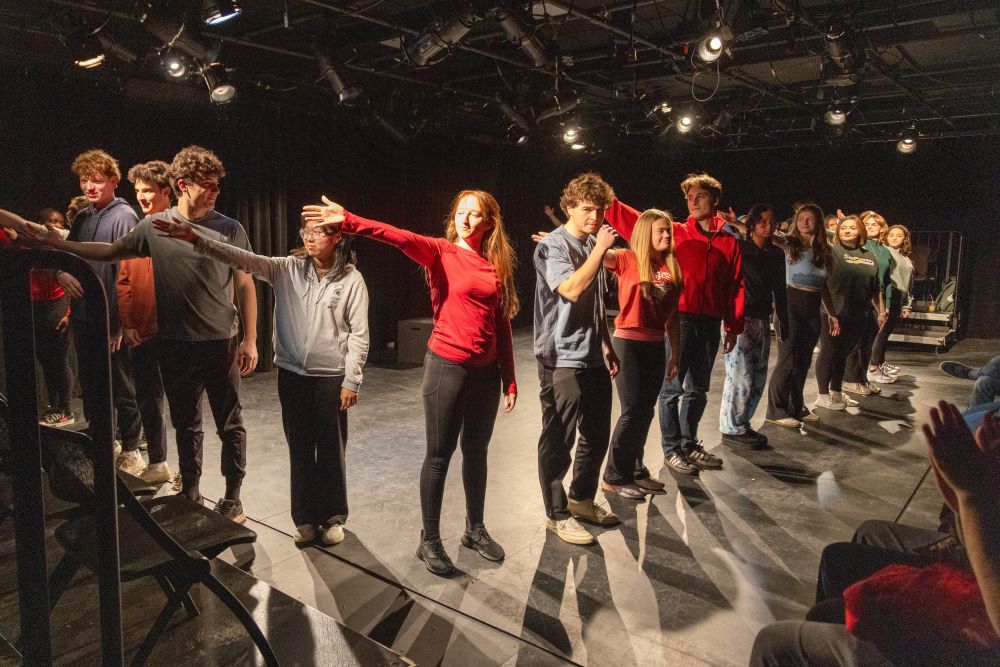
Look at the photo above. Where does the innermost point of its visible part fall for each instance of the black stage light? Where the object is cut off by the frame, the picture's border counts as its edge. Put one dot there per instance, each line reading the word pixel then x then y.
pixel 347 95
pixel 441 36
pixel 220 90
pixel 835 115
pixel 519 32
pixel 908 140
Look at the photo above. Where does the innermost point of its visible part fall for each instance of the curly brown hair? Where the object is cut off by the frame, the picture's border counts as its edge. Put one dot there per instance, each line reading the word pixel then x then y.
pixel 96 161
pixel 705 182
pixel 586 187
pixel 194 160
pixel 156 172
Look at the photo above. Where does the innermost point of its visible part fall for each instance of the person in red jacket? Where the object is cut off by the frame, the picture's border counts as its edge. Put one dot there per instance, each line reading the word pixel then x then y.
pixel 137 308
pixel 712 294
pixel 470 355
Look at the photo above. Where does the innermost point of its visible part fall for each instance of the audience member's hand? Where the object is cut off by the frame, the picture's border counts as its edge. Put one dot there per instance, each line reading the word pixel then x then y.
pixel 70 285
pixel 348 398
pixel 131 337
pixel 247 354
pixel 509 401
pixel 538 236
pixel 834 325
pixel 963 470
pixel 330 213
pixel 988 435
pixel 176 229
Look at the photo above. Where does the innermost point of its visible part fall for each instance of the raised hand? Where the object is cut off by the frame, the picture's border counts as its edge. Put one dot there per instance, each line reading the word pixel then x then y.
pixel 176 229
pixel 548 210
pixel 605 238
pixel 729 216
pixel 40 233
pixel 330 213
pixel 963 470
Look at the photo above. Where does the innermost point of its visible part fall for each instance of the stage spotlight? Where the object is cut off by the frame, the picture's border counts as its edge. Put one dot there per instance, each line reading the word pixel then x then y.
pixel 175 66
pixel 520 33
pixel 835 115
pixel 347 95
pixel 214 12
pixel 571 135
pixel 578 147
pixel 908 140
pixel 522 139
pixel 441 36
pixel 712 45
pixel 685 123
pixel 664 107
pixel 220 90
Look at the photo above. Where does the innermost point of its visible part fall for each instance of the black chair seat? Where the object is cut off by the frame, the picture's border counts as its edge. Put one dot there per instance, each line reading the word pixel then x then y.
pixel 193 526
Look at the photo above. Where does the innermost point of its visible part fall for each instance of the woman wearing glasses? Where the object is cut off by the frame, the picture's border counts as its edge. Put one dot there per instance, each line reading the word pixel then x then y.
pixel 470 355
pixel 320 347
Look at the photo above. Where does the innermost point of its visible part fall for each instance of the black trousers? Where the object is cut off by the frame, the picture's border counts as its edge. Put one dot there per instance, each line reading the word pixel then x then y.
pixel 573 400
pixel 834 350
pixel 190 370
pixel 149 398
pixel 640 376
pixel 316 432
pixel 52 350
pixel 126 419
pixel 459 402
pixel 894 311
pixel 860 358
pixel 784 395
pixel 683 399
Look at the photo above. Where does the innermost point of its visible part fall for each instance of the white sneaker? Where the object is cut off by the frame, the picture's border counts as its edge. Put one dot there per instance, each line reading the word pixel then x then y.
pixel 304 534
pixel 890 369
pixel 810 417
pixel 132 463
pixel 332 535
pixel 787 422
pixel 881 377
pixel 569 530
pixel 844 398
pixel 860 389
pixel 827 401
pixel 156 473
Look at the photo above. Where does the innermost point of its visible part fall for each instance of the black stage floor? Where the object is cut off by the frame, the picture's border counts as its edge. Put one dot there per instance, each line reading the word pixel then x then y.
pixel 689 578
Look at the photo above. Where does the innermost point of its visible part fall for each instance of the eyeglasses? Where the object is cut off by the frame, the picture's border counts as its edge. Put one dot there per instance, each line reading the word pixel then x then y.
pixel 318 233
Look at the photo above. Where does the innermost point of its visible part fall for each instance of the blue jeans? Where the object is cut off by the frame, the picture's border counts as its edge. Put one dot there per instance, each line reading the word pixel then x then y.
pixel 746 374
pixel 987 386
pixel 699 343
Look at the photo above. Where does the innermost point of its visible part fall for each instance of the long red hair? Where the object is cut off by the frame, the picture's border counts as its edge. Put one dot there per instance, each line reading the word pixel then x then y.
pixel 495 247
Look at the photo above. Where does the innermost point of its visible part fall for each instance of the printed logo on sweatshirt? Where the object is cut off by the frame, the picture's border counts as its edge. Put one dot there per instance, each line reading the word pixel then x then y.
pixel 338 291
pixel 854 259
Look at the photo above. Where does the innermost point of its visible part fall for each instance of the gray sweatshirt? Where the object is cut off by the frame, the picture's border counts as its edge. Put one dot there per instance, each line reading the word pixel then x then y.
pixel 320 326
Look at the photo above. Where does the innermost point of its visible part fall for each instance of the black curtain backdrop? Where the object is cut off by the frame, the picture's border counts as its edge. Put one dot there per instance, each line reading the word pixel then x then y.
pixel 279 158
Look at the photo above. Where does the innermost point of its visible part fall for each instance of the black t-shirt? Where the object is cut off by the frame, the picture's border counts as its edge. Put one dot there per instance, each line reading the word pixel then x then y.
pixel 853 280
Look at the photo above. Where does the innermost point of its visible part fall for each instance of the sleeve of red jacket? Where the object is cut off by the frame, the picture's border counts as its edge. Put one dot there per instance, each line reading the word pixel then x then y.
pixel 622 218
pixel 735 317
pixel 505 352
pixel 421 249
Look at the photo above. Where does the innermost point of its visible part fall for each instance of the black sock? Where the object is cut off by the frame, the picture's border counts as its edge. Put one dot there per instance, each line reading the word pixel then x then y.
pixel 233 489
pixel 431 530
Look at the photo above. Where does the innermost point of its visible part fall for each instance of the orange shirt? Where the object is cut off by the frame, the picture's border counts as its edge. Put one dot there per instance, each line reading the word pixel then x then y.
pixel 136 297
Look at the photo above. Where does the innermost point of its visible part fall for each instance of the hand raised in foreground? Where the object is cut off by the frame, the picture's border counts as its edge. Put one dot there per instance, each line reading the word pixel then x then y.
pixel 966 466
pixel 176 229
pixel 330 213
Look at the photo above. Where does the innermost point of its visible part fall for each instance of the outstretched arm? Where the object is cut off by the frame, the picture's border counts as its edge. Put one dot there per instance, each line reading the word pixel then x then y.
pixel 580 280
pixel 266 268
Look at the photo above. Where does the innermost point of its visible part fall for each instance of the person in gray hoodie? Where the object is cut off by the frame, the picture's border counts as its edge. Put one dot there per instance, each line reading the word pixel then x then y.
pixel 320 347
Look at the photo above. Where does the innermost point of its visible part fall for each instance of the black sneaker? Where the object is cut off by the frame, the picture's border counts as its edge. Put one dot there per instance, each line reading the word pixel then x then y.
pixel 681 463
pixel 231 509
pixel 477 538
pixel 435 557
pixel 701 458
pixel 957 370
pixel 750 439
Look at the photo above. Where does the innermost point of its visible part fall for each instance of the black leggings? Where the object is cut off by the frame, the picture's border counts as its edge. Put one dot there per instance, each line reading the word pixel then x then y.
pixel 458 400
pixel 640 376
pixel 834 350
pixel 894 311
pixel 784 396
pixel 52 350
pixel 856 369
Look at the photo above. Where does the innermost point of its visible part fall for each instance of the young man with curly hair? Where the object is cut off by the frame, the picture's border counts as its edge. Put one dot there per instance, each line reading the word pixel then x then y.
pixel 106 218
pixel 197 320
pixel 571 346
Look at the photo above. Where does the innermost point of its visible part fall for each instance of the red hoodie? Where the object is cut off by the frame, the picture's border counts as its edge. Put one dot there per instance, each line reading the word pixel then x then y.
pixel 710 266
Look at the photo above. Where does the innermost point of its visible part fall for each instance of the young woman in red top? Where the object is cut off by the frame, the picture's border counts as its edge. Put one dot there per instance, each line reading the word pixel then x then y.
pixel 649 284
pixel 470 353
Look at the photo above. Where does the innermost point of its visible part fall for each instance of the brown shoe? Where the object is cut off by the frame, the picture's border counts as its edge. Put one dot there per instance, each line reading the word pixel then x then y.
pixel 591 512
pixel 651 485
